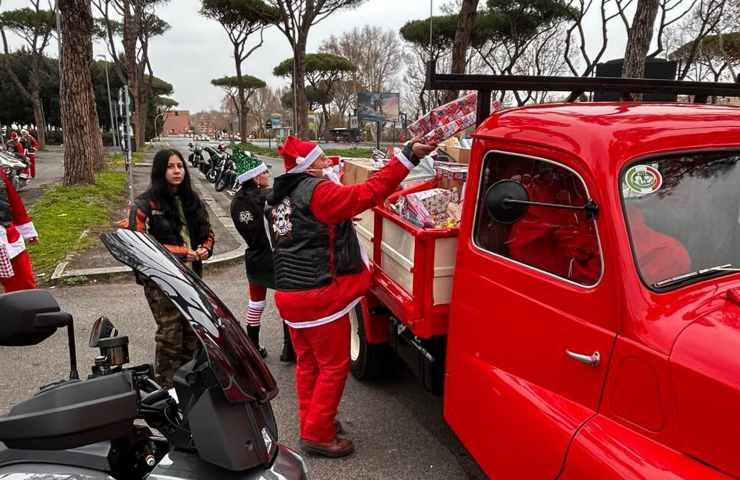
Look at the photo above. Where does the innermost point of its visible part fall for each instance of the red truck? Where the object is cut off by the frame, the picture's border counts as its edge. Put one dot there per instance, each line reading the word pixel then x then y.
pixel 583 321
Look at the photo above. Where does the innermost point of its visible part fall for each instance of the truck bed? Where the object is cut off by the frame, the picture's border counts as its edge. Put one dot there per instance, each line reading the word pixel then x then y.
pixel 412 269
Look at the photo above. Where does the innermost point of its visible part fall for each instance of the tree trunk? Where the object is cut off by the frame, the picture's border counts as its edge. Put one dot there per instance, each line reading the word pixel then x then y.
pixel 79 124
pixel 241 98
pixel 130 36
pixel 301 103
pixel 465 23
pixel 39 119
pixel 639 38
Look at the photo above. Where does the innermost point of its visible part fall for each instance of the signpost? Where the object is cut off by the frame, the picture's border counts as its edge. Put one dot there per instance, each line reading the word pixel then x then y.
pixel 124 110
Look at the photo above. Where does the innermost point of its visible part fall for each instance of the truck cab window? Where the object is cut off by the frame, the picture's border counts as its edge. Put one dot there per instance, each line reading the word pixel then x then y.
pixel 562 242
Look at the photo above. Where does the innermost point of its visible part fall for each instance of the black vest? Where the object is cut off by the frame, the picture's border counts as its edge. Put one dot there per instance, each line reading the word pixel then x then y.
pixel 6 214
pixel 302 247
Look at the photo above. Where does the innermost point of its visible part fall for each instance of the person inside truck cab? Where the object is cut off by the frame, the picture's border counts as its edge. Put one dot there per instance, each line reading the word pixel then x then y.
pixel 559 241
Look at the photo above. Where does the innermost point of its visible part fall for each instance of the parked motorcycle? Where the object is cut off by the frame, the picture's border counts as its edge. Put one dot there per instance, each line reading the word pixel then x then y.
pixel 196 155
pixel 227 178
pixel 218 164
pixel 217 422
pixel 16 168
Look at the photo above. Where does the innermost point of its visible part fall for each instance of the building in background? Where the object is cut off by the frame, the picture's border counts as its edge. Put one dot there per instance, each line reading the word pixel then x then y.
pixel 176 122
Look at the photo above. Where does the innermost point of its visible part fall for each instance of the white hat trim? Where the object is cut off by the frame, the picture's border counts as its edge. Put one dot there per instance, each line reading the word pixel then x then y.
pixel 302 164
pixel 250 174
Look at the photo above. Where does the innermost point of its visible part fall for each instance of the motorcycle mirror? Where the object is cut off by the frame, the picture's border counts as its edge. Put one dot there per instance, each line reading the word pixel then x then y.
pixel 102 329
pixel 32 316
pixel 23 321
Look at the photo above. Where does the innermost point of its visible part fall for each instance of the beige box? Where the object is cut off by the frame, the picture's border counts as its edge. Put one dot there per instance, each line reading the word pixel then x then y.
pixel 357 170
pixel 459 154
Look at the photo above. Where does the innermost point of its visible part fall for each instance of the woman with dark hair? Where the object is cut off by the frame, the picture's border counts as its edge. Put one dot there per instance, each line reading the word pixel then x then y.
pixel 171 212
pixel 247 212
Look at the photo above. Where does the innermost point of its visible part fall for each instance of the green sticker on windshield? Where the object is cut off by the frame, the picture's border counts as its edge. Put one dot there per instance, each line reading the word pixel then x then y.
pixel 643 179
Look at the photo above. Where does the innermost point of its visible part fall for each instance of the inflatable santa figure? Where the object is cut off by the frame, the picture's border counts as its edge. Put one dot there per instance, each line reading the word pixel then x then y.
pixel 15 228
pixel 320 275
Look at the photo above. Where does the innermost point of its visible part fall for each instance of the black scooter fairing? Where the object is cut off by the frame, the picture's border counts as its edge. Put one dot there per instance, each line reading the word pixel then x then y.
pixel 237 365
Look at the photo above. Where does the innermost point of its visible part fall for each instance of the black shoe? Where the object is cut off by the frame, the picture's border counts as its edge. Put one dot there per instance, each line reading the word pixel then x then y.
pixel 263 351
pixel 288 354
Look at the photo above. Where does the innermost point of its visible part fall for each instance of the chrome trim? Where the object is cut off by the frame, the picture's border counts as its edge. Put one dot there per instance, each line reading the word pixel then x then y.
pixel 531 267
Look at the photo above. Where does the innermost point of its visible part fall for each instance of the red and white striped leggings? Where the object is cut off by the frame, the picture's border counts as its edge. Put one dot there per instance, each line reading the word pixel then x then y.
pixel 257 295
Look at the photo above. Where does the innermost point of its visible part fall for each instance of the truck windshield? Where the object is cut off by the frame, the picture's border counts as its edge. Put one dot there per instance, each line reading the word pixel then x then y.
pixel 683 213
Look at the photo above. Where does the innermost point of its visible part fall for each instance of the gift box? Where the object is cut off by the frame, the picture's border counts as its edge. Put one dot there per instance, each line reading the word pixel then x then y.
pixel 447 114
pixel 357 170
pixel 427 208
pixel 452 177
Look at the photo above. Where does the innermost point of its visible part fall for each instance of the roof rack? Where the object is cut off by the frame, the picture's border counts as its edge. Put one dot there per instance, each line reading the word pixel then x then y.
pixel 485 84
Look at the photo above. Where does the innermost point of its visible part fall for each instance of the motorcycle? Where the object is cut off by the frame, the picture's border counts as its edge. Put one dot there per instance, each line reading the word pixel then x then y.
pixel 217 422
pixel 218 164
pixel 207 163
pixel 196 155
pixel 227 178
pixel 16 168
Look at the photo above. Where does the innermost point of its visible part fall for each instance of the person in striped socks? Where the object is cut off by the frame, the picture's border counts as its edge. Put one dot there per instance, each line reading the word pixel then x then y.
pixel 247 212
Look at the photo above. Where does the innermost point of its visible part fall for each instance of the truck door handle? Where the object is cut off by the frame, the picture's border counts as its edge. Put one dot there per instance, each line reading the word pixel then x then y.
pixel 592 359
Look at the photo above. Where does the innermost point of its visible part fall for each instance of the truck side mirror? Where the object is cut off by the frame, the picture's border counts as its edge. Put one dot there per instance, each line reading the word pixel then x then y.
pixel 506 201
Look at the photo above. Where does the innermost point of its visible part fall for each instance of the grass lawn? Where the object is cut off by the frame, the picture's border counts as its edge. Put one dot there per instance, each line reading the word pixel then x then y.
pixel 63 213
pixel 354 152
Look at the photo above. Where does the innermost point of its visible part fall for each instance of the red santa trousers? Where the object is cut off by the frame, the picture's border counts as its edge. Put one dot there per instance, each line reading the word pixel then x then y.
pixel 23 278
pixel 322 365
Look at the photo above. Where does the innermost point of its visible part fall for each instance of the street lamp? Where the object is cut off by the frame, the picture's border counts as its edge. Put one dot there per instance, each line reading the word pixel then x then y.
pixel 110 102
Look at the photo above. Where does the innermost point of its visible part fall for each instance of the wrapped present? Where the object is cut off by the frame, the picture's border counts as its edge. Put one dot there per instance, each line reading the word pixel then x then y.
pixel 427 208
pixel 452 177
pixel 443 122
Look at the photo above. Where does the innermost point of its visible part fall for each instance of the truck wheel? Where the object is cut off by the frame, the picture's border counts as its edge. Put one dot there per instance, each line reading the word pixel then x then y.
pixel 366 359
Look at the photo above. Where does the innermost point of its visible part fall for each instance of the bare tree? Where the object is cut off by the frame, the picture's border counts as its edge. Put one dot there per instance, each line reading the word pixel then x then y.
pixel 35 26
pixel 375 52
pixel 297 18
pixel 241 20
pixel 576 35
pixel 139 24
pixel 83 146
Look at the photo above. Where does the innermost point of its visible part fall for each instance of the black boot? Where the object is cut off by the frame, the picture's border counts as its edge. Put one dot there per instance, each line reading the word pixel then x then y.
pixel 288 354
pixel 254 335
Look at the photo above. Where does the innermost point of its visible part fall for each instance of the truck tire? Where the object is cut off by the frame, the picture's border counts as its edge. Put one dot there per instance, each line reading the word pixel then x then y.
pixel 367 359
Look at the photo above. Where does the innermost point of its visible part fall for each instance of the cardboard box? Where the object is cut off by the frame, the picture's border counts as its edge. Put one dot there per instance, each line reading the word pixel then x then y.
pixel 357 170
pixel 459 154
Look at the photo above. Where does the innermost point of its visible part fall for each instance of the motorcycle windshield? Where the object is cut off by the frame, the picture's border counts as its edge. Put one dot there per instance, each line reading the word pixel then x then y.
pixel 235 362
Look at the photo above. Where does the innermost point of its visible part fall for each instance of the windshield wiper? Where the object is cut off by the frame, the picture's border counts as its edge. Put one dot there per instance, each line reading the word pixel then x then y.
pixel 728 267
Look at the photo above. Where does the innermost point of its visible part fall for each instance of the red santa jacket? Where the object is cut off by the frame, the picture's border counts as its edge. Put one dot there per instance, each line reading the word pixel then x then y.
pixel 331 204
pixel 21 227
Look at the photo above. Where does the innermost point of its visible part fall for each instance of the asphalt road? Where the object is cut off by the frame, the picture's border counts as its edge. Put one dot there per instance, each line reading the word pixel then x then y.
pixel 397 426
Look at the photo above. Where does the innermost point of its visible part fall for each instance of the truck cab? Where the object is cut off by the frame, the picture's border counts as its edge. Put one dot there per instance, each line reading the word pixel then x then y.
pixel 602 343
pixel 583 321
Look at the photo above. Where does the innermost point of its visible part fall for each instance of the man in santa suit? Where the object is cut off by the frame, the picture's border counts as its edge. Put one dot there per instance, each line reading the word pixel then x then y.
pixel 15 228
pixel 31 146
pixel 320 275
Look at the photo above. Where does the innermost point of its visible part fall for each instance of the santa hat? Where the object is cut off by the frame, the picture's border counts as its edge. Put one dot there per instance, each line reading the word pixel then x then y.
pixel 298 155
pixel 13 134
pixel 247 166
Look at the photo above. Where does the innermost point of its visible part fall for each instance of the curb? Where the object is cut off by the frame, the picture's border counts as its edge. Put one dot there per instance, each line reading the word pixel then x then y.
pixel 61 273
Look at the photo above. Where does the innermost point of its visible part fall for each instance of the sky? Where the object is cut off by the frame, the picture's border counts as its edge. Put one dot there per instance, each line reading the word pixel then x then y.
pixel 197 49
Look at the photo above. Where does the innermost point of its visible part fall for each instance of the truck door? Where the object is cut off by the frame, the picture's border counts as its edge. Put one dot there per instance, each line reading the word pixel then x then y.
pixel 533 322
